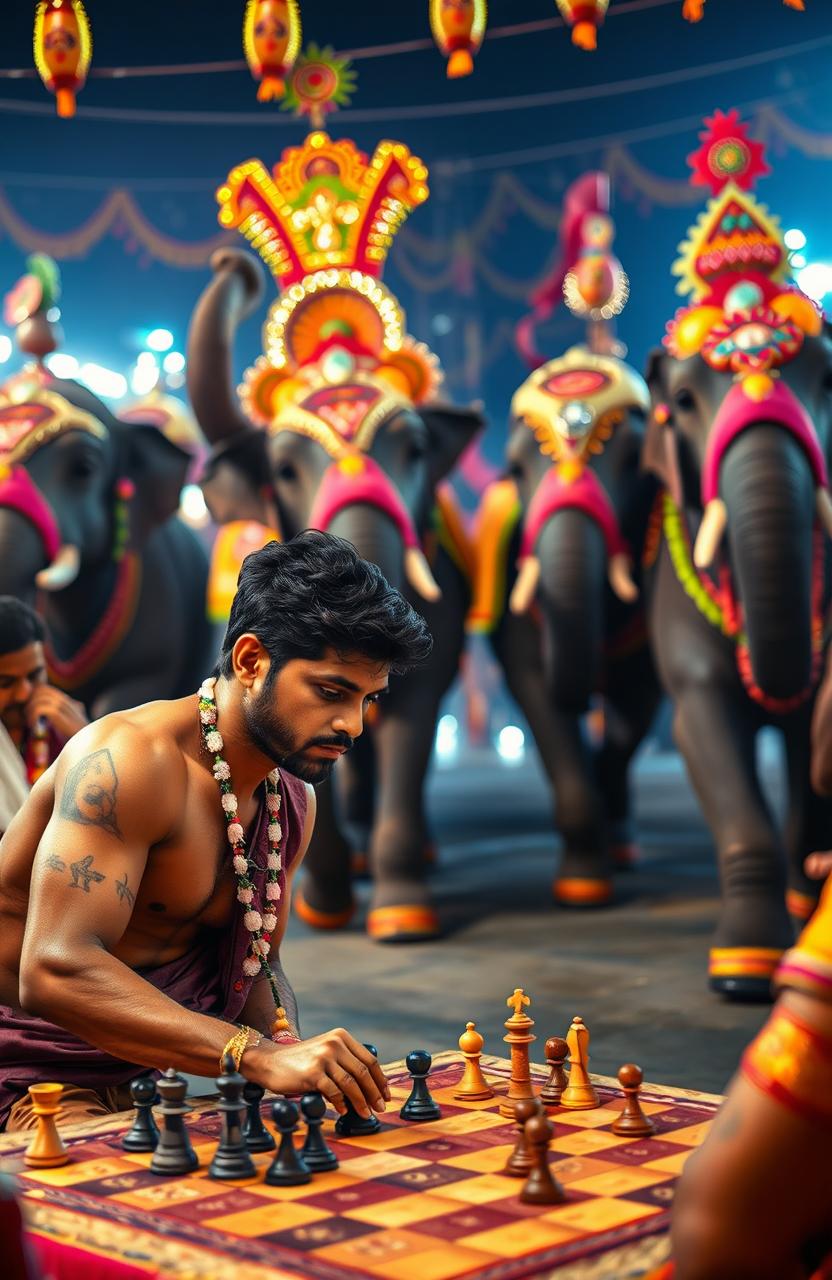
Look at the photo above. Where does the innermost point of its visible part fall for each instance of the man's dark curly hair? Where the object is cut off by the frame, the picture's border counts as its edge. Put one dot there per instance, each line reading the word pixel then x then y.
pixel 19 625
pixel 315 593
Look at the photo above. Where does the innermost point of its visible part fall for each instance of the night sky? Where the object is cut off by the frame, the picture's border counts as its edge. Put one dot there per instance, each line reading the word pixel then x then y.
pixel 54 174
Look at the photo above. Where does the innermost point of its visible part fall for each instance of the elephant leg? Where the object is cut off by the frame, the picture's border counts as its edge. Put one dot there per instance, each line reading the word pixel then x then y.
pixel 716 736
pixel 808 823
pixel 400 907
pixel 584 877
pixel 631 699
pixel 354 781
pixel 324 898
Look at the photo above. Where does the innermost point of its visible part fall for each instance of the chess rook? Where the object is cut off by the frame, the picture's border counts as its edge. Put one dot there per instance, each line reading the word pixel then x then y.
pixel 632 1122
pixel 46 1150
pixel 580 1093
pixel 420 1106
pixel 519 1037
pixel 174 1155
pixel 473 1087
pixel 143 1135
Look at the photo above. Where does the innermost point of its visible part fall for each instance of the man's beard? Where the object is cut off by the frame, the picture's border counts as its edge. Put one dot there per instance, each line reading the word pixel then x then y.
pixel 271 735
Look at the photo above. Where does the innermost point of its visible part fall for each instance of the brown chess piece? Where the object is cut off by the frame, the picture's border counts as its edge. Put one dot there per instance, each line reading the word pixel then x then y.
pixel 46 1150
pixel 519 1163
pixel 519 1027
pixel 632 1123
pixel 580 1093
pixel 473 1086
pixel 557 1051
pixel 541 1187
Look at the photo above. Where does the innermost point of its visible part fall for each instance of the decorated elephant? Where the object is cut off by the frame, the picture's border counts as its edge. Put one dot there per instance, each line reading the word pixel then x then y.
pixel 558 548
pixel 339 430
pixel 739 436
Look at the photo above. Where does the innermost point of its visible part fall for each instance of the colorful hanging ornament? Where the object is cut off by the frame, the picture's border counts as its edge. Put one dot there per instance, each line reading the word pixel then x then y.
pixel 693 10
pixel 271 41
pixel 584 17
pixel 319 84
pixel 458 28
pixel 63 48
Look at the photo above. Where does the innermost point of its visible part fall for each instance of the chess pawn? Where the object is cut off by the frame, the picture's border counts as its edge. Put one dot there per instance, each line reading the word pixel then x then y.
pixel 46 1150
pixel 557 1051
pixel 287 1169
pixel 541 1186
pixel 231 1158
pixel 174 1156
pixel 143 1135
pixel 632 1122
pixel 420 1106
pixel 519 1163
pixel 473 1087
pixel 315 1153
pixel 255 1133
pixel 580 1093
pixel 351 1124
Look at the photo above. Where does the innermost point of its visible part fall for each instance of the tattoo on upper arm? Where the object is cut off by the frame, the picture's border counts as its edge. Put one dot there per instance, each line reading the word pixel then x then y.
pixel 125 894
pixel 83 874
pixel 89 794
pixel 55 863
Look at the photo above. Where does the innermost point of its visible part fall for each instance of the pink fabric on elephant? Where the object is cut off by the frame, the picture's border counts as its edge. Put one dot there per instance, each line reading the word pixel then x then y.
pixel 360 479
pixel 585 494
pixel 19 492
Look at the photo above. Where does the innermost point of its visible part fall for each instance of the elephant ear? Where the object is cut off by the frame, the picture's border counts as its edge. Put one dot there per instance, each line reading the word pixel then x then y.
pixel 660 454
pixel 235 481
pixel 158 468
pixel 451 430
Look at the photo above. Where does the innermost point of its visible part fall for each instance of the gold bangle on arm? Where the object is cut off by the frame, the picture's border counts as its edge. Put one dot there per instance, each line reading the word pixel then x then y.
pixel 238 1044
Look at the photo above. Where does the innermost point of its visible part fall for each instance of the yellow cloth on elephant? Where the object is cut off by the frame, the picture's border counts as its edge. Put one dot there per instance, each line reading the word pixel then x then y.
pixel 808 965
pixel 496 521
pixel 234 541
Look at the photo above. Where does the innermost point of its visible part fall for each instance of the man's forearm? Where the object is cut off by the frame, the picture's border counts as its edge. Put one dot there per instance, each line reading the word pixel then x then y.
pixel 102 1001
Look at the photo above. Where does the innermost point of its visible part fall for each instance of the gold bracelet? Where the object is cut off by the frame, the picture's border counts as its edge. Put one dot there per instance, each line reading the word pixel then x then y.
pixel 237 1046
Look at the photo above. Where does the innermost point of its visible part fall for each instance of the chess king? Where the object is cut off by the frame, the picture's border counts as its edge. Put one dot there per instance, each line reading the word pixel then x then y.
pixel 337 427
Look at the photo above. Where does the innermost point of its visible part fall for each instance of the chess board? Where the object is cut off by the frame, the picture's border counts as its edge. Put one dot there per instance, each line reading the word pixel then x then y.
pixel 411 1202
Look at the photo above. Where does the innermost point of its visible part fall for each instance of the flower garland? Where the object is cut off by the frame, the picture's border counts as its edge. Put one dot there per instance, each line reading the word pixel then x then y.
pixel 260 926
pixel 720 608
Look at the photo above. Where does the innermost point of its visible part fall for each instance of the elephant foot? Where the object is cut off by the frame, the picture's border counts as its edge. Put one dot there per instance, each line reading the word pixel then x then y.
pixel 582 891
pixel 800 906
pixel 626 855
pixel 317 918
pixel 743 973
pixel 402 912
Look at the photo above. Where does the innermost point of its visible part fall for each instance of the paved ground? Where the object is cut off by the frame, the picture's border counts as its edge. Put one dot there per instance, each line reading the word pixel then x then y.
pixel 636 973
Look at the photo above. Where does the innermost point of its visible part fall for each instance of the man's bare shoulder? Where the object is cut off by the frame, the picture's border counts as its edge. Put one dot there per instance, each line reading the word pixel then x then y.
pixel 141 750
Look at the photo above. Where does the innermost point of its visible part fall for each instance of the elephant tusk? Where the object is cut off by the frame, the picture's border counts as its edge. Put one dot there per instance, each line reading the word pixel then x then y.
pixel 621 579
pixel 62 571
pixel 710 533
pixel 419 575
pixel 526 584
pixel 823 503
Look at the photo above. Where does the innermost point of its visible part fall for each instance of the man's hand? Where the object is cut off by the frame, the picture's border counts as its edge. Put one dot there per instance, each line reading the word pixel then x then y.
pixel 333 1064
pixel 818 865
pixel 64 714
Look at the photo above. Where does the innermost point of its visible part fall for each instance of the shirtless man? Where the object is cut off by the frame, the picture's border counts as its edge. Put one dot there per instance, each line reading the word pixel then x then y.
pixel 149 873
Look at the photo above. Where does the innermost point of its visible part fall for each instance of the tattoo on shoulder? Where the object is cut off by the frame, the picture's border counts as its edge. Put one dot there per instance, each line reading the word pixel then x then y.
pixel 54 863
pixel 83 874
pixel 125 894
pixel 89 794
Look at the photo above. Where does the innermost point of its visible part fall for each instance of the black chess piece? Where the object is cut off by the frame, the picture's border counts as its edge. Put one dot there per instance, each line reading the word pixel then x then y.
pixel 231 1158
pixel 255 1133
pixel 174 1155
pixel 315 1153
pixel 351 1124
pixel 287 1169
pixel 420 1105
pixel 143 1135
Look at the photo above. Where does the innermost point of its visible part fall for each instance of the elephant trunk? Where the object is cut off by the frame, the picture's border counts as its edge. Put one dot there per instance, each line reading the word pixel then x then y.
pixel 374 536
pixel 235 290
pixel 767 484
pixel 22 555
pixel 573 577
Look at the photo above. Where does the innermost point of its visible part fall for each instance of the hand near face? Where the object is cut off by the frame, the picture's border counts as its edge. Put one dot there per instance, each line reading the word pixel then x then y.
pixel 62 713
